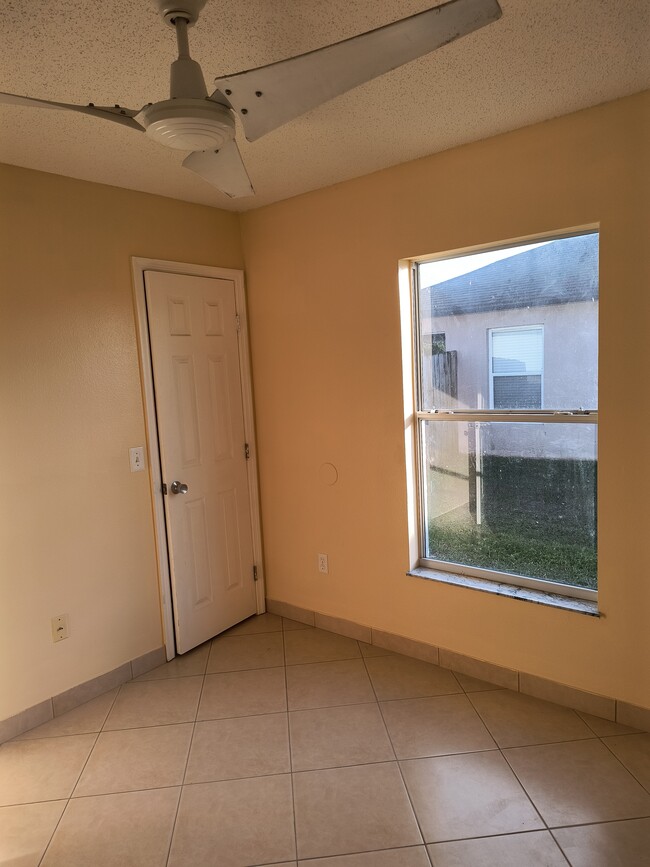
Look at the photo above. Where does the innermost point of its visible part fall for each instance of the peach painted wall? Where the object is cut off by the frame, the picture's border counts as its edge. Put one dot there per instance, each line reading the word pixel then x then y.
pixel 76 531
pixel 325 332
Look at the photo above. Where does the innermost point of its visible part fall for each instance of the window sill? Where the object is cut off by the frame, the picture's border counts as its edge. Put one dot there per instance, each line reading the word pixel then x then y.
pixel 526 594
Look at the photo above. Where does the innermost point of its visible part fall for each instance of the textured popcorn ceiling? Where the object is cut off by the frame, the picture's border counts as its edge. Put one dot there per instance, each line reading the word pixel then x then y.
pixel 542 59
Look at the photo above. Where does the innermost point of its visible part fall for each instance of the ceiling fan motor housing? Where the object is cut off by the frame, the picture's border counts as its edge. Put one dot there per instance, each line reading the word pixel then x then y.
pixel 189 124
pixel 187 9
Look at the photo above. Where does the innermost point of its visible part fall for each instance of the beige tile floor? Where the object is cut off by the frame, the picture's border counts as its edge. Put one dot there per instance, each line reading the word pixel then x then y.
pixel 282 744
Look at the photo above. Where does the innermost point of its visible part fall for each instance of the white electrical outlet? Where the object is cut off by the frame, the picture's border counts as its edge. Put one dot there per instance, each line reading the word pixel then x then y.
pixel 323 565
pixel 60 628
pixel 136 459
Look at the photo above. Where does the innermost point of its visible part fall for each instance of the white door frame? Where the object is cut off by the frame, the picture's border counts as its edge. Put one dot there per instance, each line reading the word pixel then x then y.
pixel 139 266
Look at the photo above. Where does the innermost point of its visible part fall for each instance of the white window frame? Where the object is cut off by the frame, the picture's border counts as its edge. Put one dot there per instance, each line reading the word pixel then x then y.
pixel 415 418
pixel 492 376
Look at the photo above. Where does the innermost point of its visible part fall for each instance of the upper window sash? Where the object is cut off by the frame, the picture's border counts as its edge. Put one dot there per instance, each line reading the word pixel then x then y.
pixel 472 308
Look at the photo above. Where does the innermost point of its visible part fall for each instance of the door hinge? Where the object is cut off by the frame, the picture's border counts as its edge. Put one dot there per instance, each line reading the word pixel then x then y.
pixel 164 488
pixel 247 452
pixel 237 321
pixel 254 573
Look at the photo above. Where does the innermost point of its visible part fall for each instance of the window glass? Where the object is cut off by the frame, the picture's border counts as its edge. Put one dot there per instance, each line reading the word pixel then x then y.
pixel 517 350
pixel 515 331
pixel 512 497
pixel 531 309
pixel 516 364
pixel 517 392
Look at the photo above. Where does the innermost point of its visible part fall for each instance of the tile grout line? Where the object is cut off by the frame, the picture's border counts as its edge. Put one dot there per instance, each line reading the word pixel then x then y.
pixel 598 823
pixel 141 725
pixel 327 707
pixel 588 737
pixel 314 862
pixel 69 798
pixel 523 788
pixel 523 746
pixel 178 786
pixel 588 825
pixel 110 710
pixel 632 730
pixel 559 846
pixel 572 741
pixel 493 836
pixel 291 774
pixel 173 827
pixel 322 661
pixel 49 842
pixel 187 760
pixel 514 773
pixel 591 728
pixel 126 791
pixel 95 743
pixel 621 762
pixel 399 767
pixel 507 834
pixel 332 768
pixel 92 750
pixel 144 679
pixel 22 739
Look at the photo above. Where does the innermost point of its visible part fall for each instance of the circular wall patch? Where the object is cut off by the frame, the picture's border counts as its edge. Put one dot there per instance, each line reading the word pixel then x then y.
pixel 328 473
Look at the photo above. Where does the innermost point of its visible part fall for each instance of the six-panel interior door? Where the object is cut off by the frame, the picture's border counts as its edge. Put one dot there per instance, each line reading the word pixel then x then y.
pixel 194 350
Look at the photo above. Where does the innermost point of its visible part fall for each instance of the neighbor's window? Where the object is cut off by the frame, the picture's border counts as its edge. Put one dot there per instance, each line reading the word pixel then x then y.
pixel 507 413
pixel 516 365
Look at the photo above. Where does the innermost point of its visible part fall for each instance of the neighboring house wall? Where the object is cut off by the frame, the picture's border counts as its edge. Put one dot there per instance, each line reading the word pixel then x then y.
pixel 570 334
pixel 570 369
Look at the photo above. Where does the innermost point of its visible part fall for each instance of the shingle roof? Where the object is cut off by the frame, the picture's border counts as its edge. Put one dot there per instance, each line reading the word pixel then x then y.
pixel 562 272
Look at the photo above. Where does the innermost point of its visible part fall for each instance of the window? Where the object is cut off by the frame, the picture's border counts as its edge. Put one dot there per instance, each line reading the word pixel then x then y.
pixel 506 408
pixel 516 365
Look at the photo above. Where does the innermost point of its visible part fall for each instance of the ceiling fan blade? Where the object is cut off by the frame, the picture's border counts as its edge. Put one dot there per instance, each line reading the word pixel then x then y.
pixel 223 169
pixel 115 113
pixel 269 96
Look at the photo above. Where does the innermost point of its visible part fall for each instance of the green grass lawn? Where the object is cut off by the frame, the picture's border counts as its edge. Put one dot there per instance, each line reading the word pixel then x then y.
pixel 510 550
pixel 539 520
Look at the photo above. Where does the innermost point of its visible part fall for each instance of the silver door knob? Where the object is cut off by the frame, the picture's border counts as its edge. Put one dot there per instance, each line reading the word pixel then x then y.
pixel 178 488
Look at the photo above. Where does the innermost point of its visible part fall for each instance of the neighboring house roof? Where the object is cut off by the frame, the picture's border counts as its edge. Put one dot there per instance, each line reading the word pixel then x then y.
pixel 561 272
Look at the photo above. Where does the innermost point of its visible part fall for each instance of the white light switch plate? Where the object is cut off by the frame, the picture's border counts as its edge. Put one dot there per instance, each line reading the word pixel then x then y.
pixel 136 459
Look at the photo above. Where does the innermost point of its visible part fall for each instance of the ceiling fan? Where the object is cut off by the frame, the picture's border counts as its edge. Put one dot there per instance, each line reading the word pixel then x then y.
pixel 269 96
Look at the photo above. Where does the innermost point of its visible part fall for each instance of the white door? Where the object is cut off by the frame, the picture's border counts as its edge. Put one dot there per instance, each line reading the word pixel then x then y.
pixel 195 359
